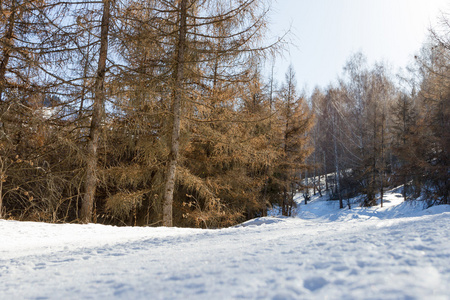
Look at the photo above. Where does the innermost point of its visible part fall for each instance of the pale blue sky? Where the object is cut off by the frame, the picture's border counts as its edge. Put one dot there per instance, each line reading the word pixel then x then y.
pixel 327 32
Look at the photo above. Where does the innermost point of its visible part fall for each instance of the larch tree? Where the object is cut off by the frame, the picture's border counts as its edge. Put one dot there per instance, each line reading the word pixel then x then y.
pixel 294 121
pixel 22 91
pixel 196 41
pixel 187 66
pixel 403 116
pixel 177 94
pixel 432 141
pixel 97 117
pixel 317 132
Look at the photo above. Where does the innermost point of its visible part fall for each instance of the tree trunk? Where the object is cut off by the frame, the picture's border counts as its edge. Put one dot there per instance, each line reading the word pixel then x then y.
pixel 90 184
pixel 382 161
pixel 8 44
pixel 2 178
pixel 336 167
pixel 405 180
pixel 291 199
pixel 314 174
pixel 306 194
pixel 373 200
pixel 1 198
pixel 325 170
pixel 319 188
pixel 176 110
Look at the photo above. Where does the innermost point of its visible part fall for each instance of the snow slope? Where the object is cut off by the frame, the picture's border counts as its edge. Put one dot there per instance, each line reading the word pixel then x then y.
pixel 396 252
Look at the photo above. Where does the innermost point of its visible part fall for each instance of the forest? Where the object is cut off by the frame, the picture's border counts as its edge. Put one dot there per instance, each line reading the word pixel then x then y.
pixel 163 113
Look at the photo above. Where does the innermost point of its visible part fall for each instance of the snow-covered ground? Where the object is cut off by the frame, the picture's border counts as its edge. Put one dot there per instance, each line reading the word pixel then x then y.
pixel 397 252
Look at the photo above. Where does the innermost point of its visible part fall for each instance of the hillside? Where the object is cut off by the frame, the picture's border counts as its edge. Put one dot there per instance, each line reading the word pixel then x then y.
pixel 399 251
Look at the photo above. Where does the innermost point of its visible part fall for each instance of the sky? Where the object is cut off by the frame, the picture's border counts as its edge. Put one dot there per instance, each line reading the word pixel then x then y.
pixel 324 34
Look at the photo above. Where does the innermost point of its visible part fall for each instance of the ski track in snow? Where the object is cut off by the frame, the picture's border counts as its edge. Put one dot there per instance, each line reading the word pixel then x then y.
pixel 391 253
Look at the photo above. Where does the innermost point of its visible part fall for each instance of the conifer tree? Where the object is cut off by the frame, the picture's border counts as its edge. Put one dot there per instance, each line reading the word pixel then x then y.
pixel 403 122
pixel 294 121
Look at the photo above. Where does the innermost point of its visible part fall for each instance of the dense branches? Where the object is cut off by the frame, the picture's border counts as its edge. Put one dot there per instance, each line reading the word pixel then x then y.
pixel 158 107
pixel 157 112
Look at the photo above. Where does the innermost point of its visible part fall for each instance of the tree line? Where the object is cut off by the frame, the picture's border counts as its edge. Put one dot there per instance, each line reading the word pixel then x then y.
pixel 158 112
pixel 149 112
pixel 375 131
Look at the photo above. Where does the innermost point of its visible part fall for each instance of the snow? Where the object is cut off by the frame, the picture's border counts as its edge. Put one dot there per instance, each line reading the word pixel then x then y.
pixel 400 251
